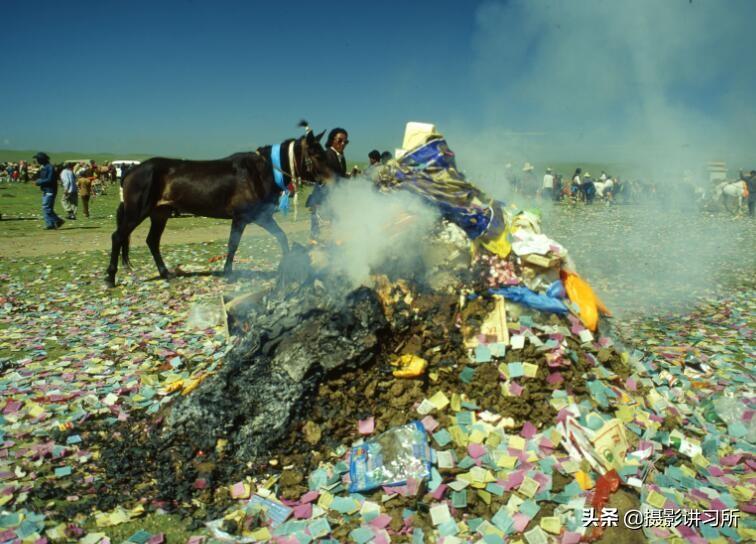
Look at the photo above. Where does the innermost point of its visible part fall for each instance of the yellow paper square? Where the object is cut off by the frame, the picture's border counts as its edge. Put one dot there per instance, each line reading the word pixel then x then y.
pixel 625 413
pixel 485 496
pixel 325 500
pixel 478 475
pixel 459 436
pixel 744 492
pixel 571 466
pixel 530 370
pixel 477 435
pixel 514 502
pixel 456 402
pixel 517 442
pixel 551 524
pixel 558 403
pixel 439 400
pixel 701 461
pixel 262 534
pixel 528 487
pixel 506 461
pixel 493 440
pixel 656 500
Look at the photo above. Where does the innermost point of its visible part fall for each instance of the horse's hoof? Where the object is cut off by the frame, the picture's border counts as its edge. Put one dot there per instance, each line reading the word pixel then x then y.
pixel 110 284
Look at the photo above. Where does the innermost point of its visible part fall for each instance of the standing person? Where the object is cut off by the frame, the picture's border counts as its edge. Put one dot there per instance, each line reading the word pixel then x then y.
pixel 70 191
pixel 24 166
pixel 374 157
pixel 547 188
pixel 48 183
pixel 576 182
pixel 588 188
pixel 751 184
pixel 85 192
pixel 337 141
pixel 529 185
pixel 558 187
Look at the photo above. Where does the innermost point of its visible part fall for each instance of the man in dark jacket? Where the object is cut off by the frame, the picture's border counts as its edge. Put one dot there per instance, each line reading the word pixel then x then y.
pixel 337 141
pixel 48 183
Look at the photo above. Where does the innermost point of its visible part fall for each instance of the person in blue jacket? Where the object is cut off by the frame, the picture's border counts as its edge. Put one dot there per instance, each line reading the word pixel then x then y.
pixel 48 183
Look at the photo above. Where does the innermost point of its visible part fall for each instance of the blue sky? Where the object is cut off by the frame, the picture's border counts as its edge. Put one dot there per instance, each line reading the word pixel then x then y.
pixel 204 79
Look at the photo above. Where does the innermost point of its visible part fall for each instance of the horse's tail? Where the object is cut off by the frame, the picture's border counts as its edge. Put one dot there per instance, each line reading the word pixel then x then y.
pixel 120 215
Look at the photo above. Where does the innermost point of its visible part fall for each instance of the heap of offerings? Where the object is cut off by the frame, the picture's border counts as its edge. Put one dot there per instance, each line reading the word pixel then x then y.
pixel 493 405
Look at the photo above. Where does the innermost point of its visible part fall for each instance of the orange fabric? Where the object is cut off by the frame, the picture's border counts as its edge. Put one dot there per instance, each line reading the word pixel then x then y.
pixel 580 292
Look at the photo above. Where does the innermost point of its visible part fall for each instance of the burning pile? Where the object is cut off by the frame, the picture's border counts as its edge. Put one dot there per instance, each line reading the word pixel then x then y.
pixel 475 402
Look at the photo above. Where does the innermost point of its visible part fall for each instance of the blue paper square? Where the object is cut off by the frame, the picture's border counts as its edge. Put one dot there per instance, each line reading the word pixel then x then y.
pixel 530 509
pixel 442 437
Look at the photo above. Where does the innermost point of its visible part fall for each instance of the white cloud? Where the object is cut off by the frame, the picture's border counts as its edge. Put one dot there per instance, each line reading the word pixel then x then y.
pixel 646 76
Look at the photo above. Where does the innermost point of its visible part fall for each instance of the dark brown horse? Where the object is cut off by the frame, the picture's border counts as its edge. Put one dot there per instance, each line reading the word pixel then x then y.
pixel 244 187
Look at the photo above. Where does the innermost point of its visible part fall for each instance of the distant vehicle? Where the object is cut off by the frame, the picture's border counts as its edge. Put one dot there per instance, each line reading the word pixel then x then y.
pixel 77 161
pixel 119 164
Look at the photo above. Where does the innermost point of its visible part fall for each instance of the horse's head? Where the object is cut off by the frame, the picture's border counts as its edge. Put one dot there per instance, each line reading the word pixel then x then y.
pixel 313 156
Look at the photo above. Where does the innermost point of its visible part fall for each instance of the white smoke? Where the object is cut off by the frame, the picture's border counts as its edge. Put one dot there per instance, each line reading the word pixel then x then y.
pixel 371 229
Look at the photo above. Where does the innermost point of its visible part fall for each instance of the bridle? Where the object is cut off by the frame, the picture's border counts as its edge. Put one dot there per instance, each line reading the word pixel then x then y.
pixel 304 165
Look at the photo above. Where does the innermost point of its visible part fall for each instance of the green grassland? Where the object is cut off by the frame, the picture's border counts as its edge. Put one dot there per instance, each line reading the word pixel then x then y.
pixel 15 155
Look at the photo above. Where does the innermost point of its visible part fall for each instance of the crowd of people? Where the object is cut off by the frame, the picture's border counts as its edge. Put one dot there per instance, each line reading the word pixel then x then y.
pixel 84 179
pixel 580 186
pixel 77 179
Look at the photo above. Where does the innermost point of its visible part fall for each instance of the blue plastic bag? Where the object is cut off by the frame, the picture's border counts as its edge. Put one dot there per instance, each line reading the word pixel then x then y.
pixel 556 290
pixel 531 299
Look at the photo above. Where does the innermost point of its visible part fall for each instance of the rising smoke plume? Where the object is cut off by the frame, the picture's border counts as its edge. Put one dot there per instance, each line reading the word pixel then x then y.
pixel 373 229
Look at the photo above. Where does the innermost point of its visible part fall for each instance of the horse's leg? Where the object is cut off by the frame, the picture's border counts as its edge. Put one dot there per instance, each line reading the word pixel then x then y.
pixel 268 223
pixel 117 242
pixel 127 222
pixel 237 229
pixel 158 219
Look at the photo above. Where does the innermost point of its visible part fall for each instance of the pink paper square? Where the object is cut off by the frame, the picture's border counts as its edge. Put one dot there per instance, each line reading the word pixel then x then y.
pixel 381 522
pixel 476 450
pixel 716 471
pixel 516 389
pixel 429 423
pixel 520 521
pixel 303 511
pixel 528 430
pixel 730 460
pixel 439 492
pixel 381 537
pixel 366 426
pixel 309 496
pixel 238 491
